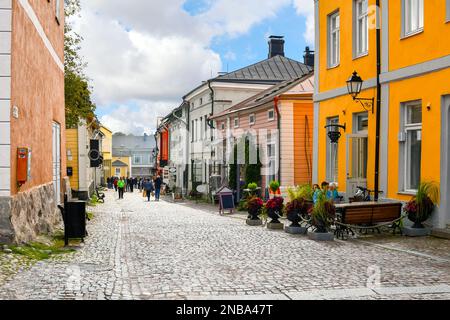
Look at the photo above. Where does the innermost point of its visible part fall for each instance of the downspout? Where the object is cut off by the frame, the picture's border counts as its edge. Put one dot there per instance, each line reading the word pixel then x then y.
pixel 210 124
pixel 276 100
pixel 188 123
pixel 378 110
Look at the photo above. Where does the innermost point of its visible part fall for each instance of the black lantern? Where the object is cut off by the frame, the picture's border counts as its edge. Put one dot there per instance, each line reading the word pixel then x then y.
pixel 354 87
pixel 335 135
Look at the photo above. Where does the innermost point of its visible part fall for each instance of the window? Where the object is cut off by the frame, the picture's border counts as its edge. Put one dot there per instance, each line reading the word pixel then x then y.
pixel 411 145
pixel 271 157
pixel 201 128
pixel 201 101
pixel 448 11
pixel 251 119
pixel 137 159
pixel 362 27
pixel 412 16
pixel 236 122
pixel 271 115
pixel 333 39
pixel 117 172
pixel 222 125
pixel 196 130
pixel 332 153
pixel 192 131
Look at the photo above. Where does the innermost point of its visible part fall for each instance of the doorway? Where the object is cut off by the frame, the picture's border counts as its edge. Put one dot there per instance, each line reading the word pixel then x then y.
pixel 357 154
pixel 56 131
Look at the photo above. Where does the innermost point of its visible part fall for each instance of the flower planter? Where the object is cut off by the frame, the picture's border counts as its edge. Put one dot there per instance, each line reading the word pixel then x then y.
pixel 295 230
pixel 275 226
pixel 321 236
pixel 254 222
pixel 416 232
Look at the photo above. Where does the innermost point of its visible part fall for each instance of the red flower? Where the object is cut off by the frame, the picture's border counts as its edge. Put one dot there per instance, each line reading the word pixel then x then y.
pixel 275 204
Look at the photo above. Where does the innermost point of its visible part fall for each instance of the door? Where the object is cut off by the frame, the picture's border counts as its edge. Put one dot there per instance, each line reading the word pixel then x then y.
pixel 444 210
pixel 57 161
pixel 356 162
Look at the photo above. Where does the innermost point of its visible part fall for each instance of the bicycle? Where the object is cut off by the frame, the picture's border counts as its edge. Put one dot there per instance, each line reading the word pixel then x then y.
pixel 363 194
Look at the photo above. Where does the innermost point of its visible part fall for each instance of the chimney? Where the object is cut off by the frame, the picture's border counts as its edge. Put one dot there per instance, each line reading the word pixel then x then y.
pixel 276 46
pixel 308 58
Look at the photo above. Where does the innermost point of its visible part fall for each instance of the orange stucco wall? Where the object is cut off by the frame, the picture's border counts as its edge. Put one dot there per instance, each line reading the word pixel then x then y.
pixel 303 133
pixel 38 91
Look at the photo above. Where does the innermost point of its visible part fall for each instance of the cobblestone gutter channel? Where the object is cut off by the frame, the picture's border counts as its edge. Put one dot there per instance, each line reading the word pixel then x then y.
pixel 140 250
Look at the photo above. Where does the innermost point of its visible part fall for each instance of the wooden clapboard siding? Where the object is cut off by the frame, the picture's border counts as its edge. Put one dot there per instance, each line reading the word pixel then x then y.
pixel 72 145
pixel 303 110
pixel 287 143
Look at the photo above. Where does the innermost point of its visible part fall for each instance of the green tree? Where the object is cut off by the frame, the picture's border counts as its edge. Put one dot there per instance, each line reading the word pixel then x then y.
pixel 78 93
pixel 252 170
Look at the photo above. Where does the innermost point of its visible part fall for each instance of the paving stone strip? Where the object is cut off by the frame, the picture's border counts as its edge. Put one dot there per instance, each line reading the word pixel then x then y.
pixel 162 250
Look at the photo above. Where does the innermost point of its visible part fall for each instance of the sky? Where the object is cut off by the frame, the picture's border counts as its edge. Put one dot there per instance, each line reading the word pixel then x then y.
pixel 143 56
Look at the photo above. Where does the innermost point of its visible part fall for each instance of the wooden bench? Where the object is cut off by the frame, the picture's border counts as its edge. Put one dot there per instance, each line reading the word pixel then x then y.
pixel 367 216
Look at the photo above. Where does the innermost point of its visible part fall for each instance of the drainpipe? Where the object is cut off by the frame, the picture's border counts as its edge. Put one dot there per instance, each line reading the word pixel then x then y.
pixel 378 110
pixel 210 122
pixel 276 100
pixel 188 144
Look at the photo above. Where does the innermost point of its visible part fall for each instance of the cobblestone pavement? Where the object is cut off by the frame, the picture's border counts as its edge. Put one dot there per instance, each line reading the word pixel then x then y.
pixel 140 250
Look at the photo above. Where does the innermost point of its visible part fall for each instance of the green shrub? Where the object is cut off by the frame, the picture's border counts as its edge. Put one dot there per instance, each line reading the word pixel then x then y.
pixel 274 186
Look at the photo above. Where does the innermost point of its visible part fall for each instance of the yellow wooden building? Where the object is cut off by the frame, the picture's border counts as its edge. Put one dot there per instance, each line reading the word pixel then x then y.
pixel 107 153
pixel 121 167
pixel 414 82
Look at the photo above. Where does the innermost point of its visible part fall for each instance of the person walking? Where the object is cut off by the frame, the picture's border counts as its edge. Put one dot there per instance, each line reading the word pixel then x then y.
pixel 131 185
pixel 148 187
pixel 121 186
pixel 158 183
pixel 115 183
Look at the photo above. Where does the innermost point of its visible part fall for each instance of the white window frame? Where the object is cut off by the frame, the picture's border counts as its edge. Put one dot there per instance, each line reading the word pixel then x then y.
pixel 269 118
pixel 250 119
pixel 407 11
pixel 271 159
pixel 117 172
pixel 361 25
pixel 405 160
pixel 334 33
pixel 236 122
pixel 447 17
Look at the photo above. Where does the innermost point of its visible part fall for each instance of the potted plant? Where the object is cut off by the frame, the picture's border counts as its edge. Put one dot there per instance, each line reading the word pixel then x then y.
pixel 254 206
pixel 295 210
pixel 274 188
pixel 420 208
pixel 274 208
pixel 322 217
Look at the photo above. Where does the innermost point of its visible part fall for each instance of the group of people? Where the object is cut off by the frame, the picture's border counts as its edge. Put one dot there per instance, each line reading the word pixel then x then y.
pixel 330 190
pixel 146 185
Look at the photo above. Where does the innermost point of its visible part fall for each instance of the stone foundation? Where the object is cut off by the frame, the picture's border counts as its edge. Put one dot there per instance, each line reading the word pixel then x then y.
pixel 25 216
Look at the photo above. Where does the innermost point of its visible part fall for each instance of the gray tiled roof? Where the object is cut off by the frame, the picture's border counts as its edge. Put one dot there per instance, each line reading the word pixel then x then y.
pixel 133 142
pixel 276 69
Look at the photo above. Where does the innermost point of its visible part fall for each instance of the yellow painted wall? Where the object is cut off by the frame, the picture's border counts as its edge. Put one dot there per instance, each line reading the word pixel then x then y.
pixel 107 143
pixel 72 145
pixel 124 171
pixel 429 88
pixel 336 77
pixel 430 44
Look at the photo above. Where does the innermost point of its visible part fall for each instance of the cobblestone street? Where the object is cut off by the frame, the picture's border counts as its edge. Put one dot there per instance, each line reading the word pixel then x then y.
pixel 141 250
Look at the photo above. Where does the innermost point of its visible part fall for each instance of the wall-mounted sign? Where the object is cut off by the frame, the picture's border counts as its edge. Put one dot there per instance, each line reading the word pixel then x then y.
pixel 69 171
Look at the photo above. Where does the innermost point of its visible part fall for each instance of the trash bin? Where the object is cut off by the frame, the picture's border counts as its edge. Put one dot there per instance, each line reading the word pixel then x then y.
pixel 74 216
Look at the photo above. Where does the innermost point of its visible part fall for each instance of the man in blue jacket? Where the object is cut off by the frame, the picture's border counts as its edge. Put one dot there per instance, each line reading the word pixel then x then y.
pixel 158 183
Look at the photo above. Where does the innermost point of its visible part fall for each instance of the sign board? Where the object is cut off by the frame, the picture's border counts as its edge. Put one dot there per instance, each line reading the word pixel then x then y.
pixel 226 200
pixel 69 171
pixel 202 188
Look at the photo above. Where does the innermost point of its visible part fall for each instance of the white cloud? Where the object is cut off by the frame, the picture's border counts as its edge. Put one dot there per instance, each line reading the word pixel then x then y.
pixel 306 8
pixel 151 53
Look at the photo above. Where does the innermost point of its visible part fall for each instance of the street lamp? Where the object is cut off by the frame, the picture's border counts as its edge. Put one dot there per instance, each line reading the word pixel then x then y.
pixel 354 87
pixel 335 134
